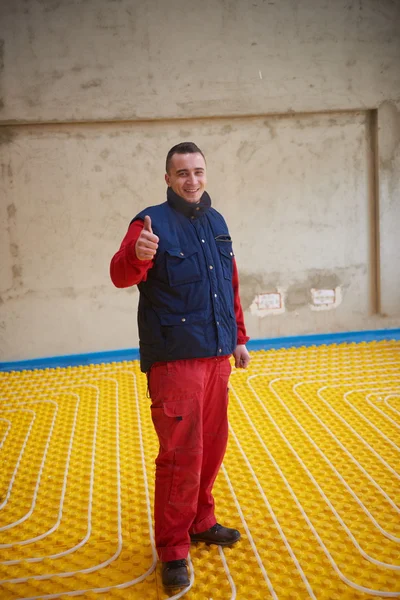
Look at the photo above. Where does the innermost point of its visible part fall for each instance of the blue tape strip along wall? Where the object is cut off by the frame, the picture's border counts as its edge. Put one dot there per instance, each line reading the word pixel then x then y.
pixel 260 344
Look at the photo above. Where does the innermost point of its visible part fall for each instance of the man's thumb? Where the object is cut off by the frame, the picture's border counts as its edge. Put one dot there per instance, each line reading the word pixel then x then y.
pixel 147 224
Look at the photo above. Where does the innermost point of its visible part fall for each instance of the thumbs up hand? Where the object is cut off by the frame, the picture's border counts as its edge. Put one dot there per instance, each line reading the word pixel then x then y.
pixel 147 242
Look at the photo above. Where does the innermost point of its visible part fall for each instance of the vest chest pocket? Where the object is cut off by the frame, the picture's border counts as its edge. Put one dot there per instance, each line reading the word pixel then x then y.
pixel 182 266
pixel 226 254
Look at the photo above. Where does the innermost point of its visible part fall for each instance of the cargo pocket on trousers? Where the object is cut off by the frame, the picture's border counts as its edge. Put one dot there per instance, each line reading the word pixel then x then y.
pixel 173 422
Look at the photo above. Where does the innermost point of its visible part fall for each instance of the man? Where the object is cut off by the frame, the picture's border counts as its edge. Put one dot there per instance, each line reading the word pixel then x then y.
pixel 180 255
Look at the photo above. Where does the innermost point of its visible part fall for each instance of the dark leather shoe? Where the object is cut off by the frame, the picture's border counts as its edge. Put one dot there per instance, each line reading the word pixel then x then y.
pixel 222 536
pixel 175 574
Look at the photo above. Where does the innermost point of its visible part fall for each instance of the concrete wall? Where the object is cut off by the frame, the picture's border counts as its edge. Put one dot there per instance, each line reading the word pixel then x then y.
pixel 297 107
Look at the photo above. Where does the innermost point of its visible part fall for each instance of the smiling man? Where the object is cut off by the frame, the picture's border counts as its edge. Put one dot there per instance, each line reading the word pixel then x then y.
pixel 186 175
pixel 190 319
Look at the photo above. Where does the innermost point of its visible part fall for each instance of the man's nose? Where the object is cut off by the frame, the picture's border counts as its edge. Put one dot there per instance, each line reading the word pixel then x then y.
pixel 192 178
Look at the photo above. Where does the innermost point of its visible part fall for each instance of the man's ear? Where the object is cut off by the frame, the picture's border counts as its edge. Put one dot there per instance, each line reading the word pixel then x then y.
pixel 167 179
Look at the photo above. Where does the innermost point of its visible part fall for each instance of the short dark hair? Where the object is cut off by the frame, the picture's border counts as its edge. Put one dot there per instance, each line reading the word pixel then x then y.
pixel 182 148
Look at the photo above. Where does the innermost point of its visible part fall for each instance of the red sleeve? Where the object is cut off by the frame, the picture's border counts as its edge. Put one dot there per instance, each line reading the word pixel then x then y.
pixel 125 268
pixel 242 337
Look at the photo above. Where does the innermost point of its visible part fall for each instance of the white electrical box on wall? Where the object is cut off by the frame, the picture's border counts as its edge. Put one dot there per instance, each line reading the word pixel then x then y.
pixel 269 301
pixel 326 299
pixel 323 297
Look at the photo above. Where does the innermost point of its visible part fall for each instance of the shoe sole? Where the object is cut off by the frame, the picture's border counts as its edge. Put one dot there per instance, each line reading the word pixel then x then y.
pixel 209 543
pixel 176 587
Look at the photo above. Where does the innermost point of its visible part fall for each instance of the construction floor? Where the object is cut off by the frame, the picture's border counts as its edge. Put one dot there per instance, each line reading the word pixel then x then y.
pixel 311 478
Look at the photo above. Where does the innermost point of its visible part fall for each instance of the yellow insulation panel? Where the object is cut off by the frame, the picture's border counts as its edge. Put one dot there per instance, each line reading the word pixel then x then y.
pixel 311 478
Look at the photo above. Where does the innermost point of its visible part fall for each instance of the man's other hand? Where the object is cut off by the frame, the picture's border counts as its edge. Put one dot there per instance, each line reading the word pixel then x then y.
pixel 147 243
pixel 242 357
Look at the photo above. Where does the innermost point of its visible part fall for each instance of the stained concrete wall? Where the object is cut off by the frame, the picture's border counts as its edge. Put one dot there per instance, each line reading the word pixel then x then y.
pixel 297 106
pixel 145 59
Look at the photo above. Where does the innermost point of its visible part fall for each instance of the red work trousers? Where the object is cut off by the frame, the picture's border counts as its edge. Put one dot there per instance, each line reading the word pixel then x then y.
pixel 189 412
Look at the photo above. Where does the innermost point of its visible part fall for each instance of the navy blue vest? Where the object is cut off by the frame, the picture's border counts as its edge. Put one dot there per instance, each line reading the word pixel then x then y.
pixel 186 307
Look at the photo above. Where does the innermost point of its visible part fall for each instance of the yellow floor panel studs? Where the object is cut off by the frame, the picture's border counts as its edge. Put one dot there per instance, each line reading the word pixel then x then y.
pixel 311 478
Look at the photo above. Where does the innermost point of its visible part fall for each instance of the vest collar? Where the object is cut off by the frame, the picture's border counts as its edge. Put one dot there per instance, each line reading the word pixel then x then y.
pixel 189 209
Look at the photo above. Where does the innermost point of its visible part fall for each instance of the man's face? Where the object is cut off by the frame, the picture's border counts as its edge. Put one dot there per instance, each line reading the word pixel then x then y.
pixel 187 176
